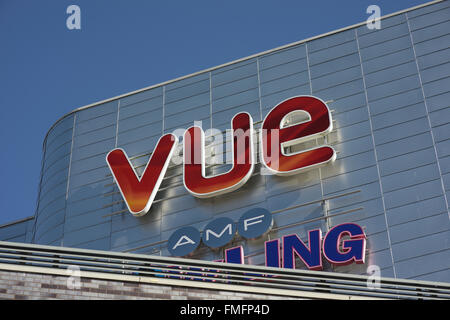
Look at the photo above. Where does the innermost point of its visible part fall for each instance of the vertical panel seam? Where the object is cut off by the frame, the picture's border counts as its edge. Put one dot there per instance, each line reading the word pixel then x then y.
pixel 117 124
pixel 324 207
pixel 376 156
pixel 258 156
pixel 68 178
pixel 162 125
pixel 210 101
pixel 163 108
pixel 259 88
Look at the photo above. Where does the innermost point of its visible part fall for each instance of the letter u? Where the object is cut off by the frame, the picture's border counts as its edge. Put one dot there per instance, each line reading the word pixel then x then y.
pixel 194 177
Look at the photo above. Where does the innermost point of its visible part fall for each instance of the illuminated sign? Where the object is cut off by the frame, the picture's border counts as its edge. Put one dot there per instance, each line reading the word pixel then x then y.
pixel 255 223
pixel 194 177
pixel 184 241
pixel 343 244
pixel 288 125
pixel 283 133
pixel 219 232
pixel 294 121
pixel 139 193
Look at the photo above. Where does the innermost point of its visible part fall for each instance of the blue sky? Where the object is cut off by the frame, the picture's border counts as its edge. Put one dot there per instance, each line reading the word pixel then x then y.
pixel 47 70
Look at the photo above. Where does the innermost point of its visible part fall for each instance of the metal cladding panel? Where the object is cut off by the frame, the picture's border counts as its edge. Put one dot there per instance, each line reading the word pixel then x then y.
pixel 388 90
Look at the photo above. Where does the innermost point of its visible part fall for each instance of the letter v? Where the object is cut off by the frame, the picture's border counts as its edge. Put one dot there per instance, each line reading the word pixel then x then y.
pixel 139 193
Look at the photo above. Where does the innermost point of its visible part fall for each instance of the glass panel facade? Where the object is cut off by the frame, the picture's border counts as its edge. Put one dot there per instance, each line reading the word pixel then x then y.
pixel 388 91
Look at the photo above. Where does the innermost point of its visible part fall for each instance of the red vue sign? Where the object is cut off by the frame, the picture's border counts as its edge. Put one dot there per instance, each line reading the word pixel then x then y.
pixel 283 131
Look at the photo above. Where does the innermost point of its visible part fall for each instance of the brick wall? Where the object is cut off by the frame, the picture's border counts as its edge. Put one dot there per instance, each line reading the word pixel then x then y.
pixel 21 285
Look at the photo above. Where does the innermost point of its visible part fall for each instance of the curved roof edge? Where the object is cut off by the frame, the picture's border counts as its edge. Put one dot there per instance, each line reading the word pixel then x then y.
pixel 236 61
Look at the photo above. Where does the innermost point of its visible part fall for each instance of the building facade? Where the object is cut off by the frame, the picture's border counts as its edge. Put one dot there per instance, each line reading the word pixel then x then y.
pixel 388 91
